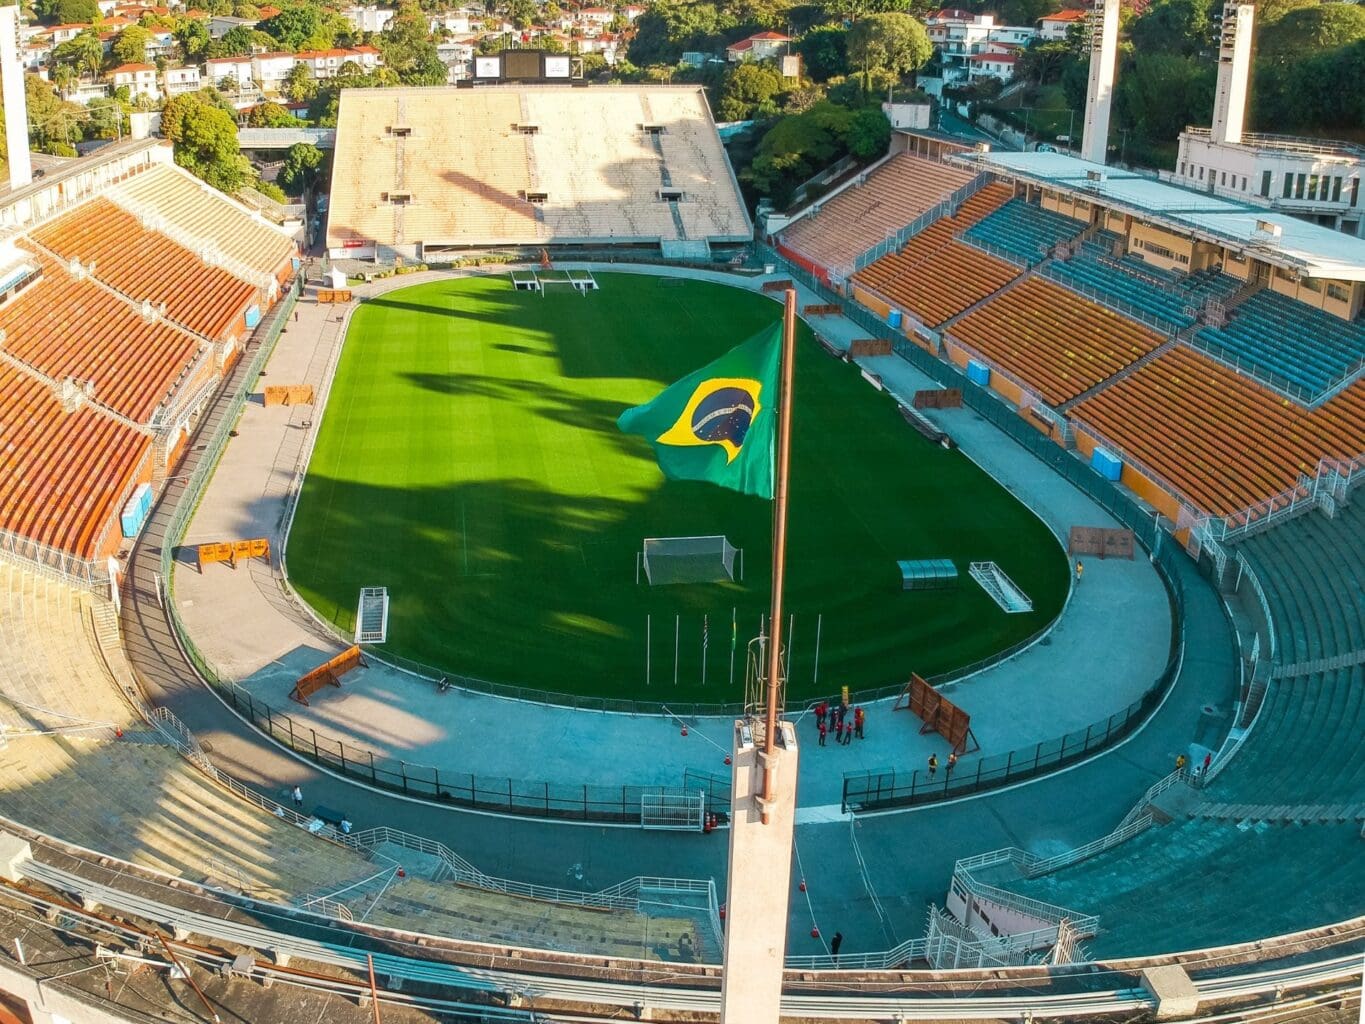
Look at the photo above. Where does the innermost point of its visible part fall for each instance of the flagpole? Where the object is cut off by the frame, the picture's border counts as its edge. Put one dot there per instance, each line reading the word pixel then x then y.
pixel 782 462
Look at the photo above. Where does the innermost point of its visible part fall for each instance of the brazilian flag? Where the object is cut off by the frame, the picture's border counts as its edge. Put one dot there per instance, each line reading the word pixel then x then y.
pixel 719 423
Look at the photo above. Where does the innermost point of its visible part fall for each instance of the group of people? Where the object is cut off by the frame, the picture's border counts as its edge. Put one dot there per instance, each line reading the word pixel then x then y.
pixel 843 721
pixel 933 764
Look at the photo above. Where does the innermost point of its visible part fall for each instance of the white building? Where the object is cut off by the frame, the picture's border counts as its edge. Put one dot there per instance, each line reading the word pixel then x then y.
pixel 992 64
pixel 181 80
pixel 234 70
pixel 960 35
pixel 269 70
pixel 369 19
pixel 221 24
pixel 759 46
pixel 140 80
pixel 1055 27
pixel 1315 179
pixel 328 63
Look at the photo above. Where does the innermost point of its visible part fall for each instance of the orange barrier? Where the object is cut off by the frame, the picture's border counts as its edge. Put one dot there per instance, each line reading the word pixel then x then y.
pixel 231 551
pixel 334 295
pixel 938 398
pixel 1101 541
pixel 938 714
pixel 869 347
pixel 329 673
pixel 823 309
pixel 289 394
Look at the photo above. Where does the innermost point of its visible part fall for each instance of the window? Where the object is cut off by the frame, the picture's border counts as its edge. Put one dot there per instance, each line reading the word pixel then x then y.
pixel 1298 186
pixel 527 129
pixel 1182 168
pixel 1201 174
pixel 537 197
pixel 670 195
pixel 652 129
pixel 1311 284
pixel 399 131
pixel 1244 184
pixel 399 198
pixel 1265 183
pixel 1336 291
pixel 1355 191
pixel 1336 190
pixel 1224 178
pixel 1312 186
pixel 1288 185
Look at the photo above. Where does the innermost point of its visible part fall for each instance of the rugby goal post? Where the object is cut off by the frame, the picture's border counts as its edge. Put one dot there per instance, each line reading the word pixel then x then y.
pixel 667 560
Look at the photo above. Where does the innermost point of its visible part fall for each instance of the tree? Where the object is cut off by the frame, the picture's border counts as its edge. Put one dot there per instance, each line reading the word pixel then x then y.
pixel 749 90
pixel 272 115
pixel 301 27
pixel 84 53
pixel 1174 26
pixel 300 167
pixel 824 50
pixel 888 42
pixel 67 12
pixel 408 49
pixel 1042 63
pixel 521 13
pixel 671 27
pixel 299 86
pixel 869 133
pixel 235 42
pixel 204 135
pixel 1309 31
pixel 796 147
pixel 1158 94
pixel 130 45
pixel 193 37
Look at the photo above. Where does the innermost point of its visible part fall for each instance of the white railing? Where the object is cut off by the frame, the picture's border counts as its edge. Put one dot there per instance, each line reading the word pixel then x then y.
pixel 894 242
pixel 1159 324
pixel 1085 924
pixel 1331 482
pixel 885 960
pixel 1000 253
pixel 49 561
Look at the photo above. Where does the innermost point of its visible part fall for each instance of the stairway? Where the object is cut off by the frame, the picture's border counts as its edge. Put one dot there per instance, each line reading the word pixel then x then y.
pixel 1126 372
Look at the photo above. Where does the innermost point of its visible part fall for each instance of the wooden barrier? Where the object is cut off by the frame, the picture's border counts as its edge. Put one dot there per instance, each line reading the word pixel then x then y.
pixel 823 309
pixel 231 551
pixel 778 286
pixel 329 673
pixel 869 347
pixel 938 714
pixel 334 295
pixel 1103 542
pixel 938 398
pixel 289 394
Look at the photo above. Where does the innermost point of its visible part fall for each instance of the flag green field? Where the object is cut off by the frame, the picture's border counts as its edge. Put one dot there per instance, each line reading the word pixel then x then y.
pixel 469 461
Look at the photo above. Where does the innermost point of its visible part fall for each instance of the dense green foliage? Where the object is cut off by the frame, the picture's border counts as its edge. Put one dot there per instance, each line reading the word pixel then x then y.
pixel 469 461
pixel 300 167
pixel 204 133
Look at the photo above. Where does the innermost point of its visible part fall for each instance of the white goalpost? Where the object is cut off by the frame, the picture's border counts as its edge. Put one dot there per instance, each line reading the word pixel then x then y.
pixel 667 560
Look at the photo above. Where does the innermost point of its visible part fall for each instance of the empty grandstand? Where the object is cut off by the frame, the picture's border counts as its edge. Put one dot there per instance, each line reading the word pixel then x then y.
pixel 422 171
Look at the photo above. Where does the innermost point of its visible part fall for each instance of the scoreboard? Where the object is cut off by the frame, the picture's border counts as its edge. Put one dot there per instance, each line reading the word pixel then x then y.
pixel 527 66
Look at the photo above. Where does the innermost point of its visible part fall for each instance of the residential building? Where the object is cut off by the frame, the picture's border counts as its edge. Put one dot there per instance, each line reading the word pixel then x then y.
pixel 269 70
pixel 219 70
pixel 176 81
pixel 139 79
pixel 958 35
pixel 760 46
pixel 369 19
pixel 221 24
pixel 991 64
pixel 1056 27
pixel 65 33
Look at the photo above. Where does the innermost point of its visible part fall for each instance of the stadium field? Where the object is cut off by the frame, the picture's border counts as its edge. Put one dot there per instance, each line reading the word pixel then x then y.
pixel 470 462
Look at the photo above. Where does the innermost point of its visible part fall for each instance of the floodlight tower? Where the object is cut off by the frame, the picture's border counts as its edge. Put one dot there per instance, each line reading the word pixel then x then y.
pixel 1099 96
pixel 16 104
pixel 1234 72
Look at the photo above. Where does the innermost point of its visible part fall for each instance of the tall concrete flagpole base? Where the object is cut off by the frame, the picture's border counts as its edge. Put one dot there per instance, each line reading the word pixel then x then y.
pixel 759 885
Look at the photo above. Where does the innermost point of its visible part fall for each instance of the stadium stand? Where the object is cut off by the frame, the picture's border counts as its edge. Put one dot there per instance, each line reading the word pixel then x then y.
pixel 1168 296
pixel 1306 346
pixel 1299 875
pixel 527 165
pixel 143 264
pixel 1023 230
pixel 1052 339
pixel 202 215
pixel 67 326
pixel 839 229
pixel 65 472
pixel 1215 436
pixel 934 277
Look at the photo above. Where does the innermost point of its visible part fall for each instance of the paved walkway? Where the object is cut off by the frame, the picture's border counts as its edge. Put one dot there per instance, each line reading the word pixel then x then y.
pixel 1103 653
pixel 909 856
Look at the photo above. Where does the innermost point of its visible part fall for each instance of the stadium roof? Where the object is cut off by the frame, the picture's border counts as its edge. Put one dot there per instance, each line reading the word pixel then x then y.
pixel 1312 250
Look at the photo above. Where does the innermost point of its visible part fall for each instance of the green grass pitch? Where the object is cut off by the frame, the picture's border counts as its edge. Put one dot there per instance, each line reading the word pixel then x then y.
pixel 469 461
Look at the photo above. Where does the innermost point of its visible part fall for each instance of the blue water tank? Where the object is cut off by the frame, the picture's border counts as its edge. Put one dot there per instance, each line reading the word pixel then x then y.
pixel 894 319
pixel 253 315
pixel 978 373
pixel 296 262
pixel 1107 464
pixel 135 510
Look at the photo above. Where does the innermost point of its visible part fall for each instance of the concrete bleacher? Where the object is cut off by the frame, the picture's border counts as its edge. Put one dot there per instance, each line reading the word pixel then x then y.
pixel 1056 342
pixel 1023 230
pixel 935 277
pixel 529 165
pixel 1196 883
pixel 194 211
pixel 64 472
pixel 1216 437
pixel 146 265
pixel 854 220
pixel 65 326
pixel 1308 347
pixel 1311 569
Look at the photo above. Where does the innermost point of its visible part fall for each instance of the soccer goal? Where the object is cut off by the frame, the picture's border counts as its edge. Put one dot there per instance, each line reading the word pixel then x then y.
pixel 668 560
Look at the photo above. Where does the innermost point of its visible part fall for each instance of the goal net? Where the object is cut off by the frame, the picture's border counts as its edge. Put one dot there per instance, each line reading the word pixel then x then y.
pixel 688 560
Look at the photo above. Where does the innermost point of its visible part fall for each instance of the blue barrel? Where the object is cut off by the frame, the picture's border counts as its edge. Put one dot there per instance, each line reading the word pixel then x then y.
pixel 894 319
pixel 1107 464
pixel 978 373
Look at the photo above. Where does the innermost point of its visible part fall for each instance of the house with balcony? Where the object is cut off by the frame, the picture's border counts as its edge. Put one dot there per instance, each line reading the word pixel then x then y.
pixel 139 79
pixel 759 46
pixel 958 35
pixel 178 81
pixel 1053 28
pixel 223 71
pixel 269 70
pixel 369 19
